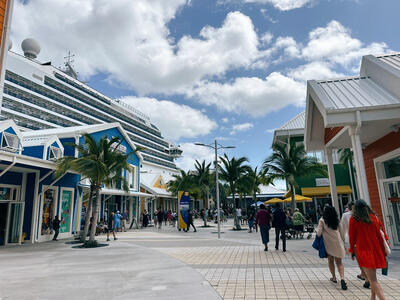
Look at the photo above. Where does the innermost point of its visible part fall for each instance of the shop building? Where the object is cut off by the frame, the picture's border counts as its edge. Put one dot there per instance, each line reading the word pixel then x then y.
pixel 30 196
pixel 316 186
pixel 362 113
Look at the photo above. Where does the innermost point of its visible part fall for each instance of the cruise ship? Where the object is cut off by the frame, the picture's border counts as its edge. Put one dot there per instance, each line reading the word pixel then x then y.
pixel 38 95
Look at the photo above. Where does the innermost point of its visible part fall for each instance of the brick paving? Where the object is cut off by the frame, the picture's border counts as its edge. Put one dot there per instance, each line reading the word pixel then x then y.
pixel 238 267
pixel 248 272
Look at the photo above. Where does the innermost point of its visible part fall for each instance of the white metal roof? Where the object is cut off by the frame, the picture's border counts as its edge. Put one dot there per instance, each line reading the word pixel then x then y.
pixel 353 93
pixel 298 122
pixel 270 190
pixel 391 59
pixel 79 130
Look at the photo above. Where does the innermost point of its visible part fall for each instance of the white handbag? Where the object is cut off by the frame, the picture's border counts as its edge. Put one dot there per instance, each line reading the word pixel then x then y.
pixel 385 244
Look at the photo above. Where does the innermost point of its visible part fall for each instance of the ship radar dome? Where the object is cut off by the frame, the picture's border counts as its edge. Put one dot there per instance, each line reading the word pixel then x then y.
pixel 31 48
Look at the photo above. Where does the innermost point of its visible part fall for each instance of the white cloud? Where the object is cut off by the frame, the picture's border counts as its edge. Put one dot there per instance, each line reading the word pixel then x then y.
pixel 282 4
pixel 271 130
pixel 191 152
pixel 241 127
pixel 252 96
pixel 334 43
pixel 225 120
pixel 130 41
pixel 175 120
pixel 314 70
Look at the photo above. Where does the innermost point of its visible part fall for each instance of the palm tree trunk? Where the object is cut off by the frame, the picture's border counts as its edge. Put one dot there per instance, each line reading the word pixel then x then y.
pixel 204 214
pixel 293 202
pixel 96 211
pixel 88 215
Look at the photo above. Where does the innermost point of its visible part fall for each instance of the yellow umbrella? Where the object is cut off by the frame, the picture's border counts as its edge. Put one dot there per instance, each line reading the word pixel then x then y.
pixel 273 201
pixel 298 198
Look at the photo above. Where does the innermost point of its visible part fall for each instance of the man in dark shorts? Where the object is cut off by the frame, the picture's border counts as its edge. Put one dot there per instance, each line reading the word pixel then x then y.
pixel 110 226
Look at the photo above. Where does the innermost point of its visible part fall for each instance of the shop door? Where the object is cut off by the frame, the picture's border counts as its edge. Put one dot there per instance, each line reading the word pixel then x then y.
pixel 15 223
pixel 3 222
pixel 392 196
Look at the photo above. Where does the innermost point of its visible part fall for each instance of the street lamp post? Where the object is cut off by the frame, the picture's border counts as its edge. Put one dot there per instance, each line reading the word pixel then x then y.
pixel 216 147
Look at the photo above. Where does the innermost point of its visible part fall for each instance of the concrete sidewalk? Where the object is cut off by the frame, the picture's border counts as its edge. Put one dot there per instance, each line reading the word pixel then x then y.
pixel 55 270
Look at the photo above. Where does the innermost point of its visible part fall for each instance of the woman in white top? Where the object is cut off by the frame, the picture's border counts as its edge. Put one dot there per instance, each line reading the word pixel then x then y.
pixel 333 236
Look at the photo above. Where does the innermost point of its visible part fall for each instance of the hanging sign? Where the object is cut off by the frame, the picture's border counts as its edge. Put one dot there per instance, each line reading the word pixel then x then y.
pixel 183 209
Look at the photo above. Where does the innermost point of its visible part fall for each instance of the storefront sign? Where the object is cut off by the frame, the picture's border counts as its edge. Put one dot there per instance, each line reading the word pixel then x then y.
pixel 66 200
pixel 183 209
pixel 322 181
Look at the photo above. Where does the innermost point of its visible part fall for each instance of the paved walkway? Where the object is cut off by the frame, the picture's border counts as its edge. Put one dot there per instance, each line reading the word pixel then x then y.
pixel 166 264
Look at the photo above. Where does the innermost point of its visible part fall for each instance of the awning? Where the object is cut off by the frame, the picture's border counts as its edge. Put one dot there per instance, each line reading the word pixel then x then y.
pixel 298 198
pixel 325 190
pixel 273 201
pixel 123 193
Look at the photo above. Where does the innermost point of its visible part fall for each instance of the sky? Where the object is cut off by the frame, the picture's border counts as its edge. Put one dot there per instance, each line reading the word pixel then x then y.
pixel 231 70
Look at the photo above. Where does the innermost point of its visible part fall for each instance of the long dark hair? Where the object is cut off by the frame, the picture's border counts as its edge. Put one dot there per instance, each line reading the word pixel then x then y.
pixel 361 212
pixel 331 217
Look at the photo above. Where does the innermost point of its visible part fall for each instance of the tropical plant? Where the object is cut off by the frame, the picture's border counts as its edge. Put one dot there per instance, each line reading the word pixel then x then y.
pixel 231 171
pixel 289 163
pixel 255 179
pixel 102 163
pixel 202 179
pixel 181 182
pixel 346 158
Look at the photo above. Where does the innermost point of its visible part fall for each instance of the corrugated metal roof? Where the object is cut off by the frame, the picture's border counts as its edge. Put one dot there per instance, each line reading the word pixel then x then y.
pixel 298 122
pixel 391 59
pixel 354 93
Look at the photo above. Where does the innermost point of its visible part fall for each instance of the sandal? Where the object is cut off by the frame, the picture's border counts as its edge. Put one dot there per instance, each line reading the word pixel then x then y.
pixel 343 284
pixel 333 280
pixel 360 277
pixel 366 285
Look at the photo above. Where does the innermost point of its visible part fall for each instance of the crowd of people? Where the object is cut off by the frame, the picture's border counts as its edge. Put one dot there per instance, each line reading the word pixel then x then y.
pixel 359 233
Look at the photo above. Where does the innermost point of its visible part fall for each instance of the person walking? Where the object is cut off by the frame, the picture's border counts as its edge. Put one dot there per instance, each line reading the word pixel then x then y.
pixel 344 223
pixel 145 219
pixel 298 223
pixel 155 218
pixel 110 226
pixel 56 227
pixel 263 220
pixel 367 237
pixel 124 220
pixel 279 222
pixel 251 220
pixel 333 236
pixel 117 222
pixel 190 222
pixel 160 217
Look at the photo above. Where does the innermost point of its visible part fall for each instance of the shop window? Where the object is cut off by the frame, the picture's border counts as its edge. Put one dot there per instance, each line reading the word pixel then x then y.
pixel 9 142
pixel 54 153
pixel 392 167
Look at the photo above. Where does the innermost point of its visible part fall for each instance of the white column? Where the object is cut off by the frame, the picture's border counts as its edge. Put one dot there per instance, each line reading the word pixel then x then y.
pixel 359 163
pixel 332 179
pixel 35 209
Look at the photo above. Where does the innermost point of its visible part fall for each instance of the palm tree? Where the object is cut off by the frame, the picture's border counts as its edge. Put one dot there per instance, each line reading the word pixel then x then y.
pixel 182 182
pixel 102 163
pixel 202 178
pixel 231 172
pixel 346 158
pixel 287 163
pixel 256 178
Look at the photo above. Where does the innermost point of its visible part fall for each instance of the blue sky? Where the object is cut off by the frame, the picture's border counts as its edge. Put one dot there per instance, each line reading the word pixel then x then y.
pixel 231 69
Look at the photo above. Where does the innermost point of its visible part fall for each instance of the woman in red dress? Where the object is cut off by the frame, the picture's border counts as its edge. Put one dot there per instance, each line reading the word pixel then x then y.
pixel 367 244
